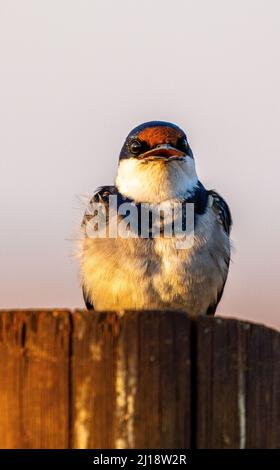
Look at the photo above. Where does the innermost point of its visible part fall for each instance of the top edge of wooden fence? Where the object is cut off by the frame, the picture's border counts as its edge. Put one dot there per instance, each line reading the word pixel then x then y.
pixel 120 313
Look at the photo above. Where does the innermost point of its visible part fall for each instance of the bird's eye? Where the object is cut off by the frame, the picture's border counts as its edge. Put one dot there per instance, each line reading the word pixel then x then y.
pixel 135 146
pixel 183 143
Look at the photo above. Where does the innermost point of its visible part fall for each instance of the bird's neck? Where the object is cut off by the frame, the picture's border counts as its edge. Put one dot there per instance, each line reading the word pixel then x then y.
pixel 158 181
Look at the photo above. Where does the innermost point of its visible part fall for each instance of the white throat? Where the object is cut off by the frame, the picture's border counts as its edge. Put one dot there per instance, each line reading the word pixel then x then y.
pixel 156 181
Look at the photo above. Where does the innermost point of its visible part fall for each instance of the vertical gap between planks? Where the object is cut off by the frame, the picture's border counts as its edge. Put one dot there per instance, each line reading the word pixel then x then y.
pixel 70 381
pixel 194 384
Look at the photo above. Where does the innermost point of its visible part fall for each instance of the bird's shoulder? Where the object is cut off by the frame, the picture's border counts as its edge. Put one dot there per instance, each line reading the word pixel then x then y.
pixel 100 196
pixel 102 193
pixel 221 209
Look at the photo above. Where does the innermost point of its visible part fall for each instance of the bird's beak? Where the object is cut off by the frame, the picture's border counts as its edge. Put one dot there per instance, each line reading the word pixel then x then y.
pixel 163 151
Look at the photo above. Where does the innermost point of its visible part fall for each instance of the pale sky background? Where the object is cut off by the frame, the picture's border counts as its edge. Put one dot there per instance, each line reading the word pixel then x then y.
pixel 76 76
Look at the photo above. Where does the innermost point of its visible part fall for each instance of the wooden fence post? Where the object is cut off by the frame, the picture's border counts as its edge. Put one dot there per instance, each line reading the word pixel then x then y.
pixel 131 380
pixel 148 379
pixel 237 385
pixel 34 379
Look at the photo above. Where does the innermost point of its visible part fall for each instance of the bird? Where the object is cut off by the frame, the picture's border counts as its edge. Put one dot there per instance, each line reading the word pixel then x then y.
pixel 156 169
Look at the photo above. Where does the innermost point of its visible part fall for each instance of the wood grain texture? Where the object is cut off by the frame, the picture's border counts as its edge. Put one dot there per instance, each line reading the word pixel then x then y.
pixel 148 379
pixel 131 380
pixel 238 385
pixel 163 392
pixel 93 380
pixel 34 388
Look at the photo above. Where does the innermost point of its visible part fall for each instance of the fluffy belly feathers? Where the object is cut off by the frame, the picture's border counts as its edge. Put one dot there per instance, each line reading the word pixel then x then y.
pixel 137 273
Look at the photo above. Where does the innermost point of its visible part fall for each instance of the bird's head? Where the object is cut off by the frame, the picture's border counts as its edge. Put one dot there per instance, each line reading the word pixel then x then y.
pixel 156 163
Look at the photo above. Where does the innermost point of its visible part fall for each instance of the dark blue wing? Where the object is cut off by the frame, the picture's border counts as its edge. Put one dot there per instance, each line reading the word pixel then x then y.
pixel 224 216
pixel 101 195
pixel 221 208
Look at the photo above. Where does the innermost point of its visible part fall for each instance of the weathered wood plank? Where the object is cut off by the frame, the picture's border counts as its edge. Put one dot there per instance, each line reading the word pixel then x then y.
pixel 238 385
pixel 34 351
pixel 93 379
pixel 163 393
pixel 131 380
pixel 262 387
